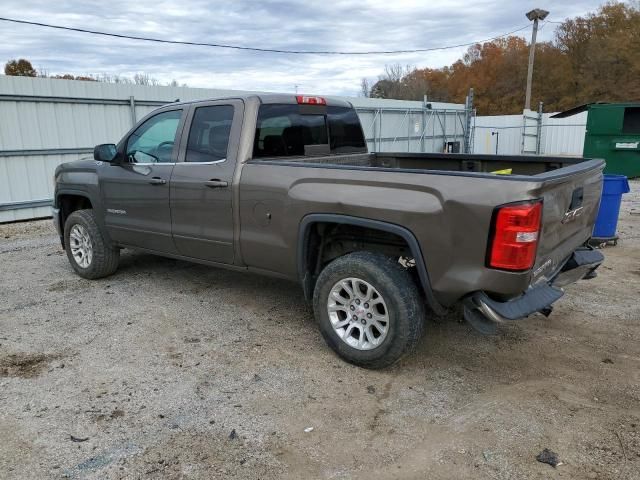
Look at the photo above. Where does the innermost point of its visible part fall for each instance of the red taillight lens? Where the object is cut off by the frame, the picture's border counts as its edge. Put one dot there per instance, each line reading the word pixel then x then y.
pixel 515 237
pixel 304 99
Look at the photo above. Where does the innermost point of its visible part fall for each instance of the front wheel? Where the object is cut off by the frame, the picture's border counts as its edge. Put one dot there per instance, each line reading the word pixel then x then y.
pixel 369 309
pixel 88 252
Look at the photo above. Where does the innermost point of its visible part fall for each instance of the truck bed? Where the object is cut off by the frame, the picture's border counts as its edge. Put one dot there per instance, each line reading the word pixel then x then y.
pixel 438 162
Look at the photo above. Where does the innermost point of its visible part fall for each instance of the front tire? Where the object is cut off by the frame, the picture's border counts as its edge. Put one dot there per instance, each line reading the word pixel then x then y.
pixel 88 252
pixel 369 309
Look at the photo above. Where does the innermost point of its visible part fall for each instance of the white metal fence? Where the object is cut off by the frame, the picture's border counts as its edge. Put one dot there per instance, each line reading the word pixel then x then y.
pixel 400 129
pixel 44 122
pixel 515 134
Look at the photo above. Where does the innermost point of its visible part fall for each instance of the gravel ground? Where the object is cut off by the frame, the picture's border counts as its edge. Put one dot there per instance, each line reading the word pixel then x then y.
pixel 174 370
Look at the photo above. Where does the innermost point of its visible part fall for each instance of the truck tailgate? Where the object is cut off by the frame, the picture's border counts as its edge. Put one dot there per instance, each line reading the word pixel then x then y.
pixel 570 207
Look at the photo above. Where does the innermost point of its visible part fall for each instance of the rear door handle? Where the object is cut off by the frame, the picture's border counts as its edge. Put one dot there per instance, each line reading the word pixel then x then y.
pixel 157 181
pixel 216 184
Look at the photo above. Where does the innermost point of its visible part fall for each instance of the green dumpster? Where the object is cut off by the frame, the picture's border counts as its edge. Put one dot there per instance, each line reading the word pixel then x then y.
pixel 613 133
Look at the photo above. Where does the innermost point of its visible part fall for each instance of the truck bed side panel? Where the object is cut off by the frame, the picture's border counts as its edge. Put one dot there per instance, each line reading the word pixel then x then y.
pixel 449 215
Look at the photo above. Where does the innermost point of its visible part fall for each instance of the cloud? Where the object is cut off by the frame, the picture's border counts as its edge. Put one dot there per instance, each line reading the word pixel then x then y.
pixel 345 25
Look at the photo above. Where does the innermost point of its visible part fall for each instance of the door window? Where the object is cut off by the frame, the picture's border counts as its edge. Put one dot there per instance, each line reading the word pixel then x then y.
pixel 153 141
pixel 209 134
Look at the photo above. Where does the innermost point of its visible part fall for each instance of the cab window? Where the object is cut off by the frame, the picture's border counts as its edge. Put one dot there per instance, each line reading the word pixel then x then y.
pixel 209 134
pixel 153 141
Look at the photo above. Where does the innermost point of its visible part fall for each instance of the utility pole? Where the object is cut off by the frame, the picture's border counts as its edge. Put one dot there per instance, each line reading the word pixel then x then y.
pixel 534 15
pixel 468 111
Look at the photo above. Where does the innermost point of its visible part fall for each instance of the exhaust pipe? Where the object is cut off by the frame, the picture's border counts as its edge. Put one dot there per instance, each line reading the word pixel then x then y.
pixel 480 316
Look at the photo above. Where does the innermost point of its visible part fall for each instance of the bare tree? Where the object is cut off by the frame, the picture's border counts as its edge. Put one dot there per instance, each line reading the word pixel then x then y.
pixel 365 89
pixel 142 79
pixel 400 82
pixel 395 72
pixel 23 67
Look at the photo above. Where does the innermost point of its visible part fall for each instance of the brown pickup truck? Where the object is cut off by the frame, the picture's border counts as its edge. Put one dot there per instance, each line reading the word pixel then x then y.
pixel 283 185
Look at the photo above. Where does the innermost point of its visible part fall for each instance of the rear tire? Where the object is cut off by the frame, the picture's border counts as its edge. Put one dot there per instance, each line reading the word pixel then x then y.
pixel 88 252
pixel 393 321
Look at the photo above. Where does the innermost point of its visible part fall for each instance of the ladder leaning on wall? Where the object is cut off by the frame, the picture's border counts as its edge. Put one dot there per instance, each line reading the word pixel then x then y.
pixel 531 131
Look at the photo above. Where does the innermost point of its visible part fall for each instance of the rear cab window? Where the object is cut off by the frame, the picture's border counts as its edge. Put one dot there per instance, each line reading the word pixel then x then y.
pixel 290 130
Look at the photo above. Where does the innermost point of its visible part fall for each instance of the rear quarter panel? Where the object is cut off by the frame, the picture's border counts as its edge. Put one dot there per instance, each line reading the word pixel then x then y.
pixel 449 214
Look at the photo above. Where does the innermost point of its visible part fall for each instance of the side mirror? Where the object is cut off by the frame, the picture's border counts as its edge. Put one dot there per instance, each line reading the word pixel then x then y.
pixel 105 152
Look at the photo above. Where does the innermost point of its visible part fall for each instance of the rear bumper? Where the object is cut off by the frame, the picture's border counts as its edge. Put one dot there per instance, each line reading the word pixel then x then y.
pixel 479 307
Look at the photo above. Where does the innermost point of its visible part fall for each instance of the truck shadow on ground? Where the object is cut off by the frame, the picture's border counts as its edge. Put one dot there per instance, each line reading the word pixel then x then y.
pixel 448 339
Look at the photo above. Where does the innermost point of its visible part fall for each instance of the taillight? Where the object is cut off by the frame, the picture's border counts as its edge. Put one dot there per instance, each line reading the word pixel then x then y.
pixel 304 99
pixel 515 236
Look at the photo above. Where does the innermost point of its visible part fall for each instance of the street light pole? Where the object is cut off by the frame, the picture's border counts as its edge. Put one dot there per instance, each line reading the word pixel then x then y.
pixel 534 15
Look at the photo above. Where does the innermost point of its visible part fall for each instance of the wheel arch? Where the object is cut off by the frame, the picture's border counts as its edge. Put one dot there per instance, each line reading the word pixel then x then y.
pixel 307 277
pixel 68 201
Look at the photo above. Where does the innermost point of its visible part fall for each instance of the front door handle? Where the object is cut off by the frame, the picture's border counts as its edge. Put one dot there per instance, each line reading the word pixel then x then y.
pixel 157 181
pixel 216 183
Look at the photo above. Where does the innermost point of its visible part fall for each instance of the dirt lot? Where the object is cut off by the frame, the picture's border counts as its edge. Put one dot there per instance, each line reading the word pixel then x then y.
pixel 173 370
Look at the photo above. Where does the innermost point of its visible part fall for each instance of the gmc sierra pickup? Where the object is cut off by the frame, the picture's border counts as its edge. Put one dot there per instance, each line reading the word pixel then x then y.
pixel 283 185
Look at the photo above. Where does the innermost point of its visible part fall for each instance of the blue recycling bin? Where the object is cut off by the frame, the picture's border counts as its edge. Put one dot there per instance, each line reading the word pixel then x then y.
pixel 613 188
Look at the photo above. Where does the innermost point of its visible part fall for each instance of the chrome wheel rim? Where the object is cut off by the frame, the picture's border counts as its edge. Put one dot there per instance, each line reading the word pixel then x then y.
pixel 80 244
pixel 358 313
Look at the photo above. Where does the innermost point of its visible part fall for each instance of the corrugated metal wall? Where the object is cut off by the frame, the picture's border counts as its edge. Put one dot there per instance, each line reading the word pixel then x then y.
pixel 45 122
pixel 564 136
pixel 509 134
pixel 559 136
pixel 411 129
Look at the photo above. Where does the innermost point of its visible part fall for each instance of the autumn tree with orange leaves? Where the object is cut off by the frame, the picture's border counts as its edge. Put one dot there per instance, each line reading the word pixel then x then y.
pixel 592 58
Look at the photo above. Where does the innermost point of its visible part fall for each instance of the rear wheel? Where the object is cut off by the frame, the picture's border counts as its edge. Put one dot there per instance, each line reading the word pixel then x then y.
pixel 369 309
pixel 88 252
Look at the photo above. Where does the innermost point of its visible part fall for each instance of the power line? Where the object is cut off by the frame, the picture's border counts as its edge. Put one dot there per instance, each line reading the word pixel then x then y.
pixel 257 49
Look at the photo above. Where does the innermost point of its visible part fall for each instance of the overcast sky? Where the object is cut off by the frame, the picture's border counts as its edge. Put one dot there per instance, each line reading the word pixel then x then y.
pixel 346 25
